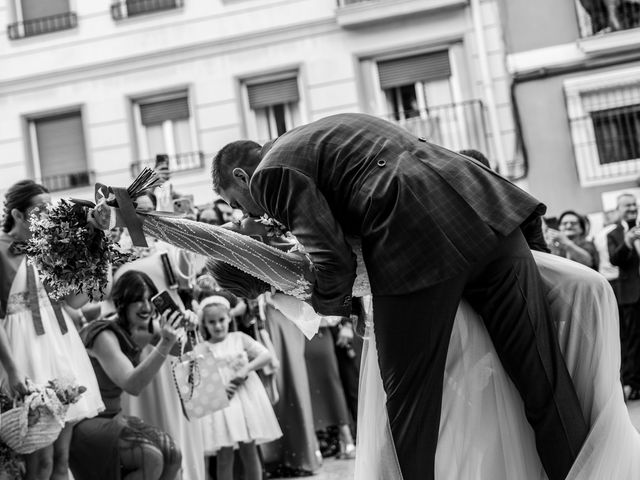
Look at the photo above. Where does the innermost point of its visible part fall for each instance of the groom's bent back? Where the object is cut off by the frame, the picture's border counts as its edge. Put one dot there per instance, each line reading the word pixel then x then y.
pixel 435 227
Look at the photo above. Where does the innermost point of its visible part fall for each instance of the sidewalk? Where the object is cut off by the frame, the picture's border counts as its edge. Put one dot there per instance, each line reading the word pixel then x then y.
pixel 333 469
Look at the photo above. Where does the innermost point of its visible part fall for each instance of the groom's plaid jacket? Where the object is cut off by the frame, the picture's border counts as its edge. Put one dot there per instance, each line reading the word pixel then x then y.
pixel 424 214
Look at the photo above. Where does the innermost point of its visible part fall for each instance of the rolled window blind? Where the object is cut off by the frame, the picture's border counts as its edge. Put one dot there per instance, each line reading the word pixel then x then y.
pixel 153 113
pixel 61 146
pixel 273 93
pixel 418 68
pixel 32 9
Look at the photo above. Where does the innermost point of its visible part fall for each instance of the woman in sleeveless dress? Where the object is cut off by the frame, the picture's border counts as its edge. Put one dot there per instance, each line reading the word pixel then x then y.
pixel 41 342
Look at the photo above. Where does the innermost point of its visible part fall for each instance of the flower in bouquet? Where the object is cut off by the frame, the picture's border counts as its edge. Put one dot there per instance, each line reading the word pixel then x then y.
pixel 274 227
pixel 70 253
pixel 66 392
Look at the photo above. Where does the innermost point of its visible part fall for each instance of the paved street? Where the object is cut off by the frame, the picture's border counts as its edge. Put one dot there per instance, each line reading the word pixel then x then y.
pixel 343 469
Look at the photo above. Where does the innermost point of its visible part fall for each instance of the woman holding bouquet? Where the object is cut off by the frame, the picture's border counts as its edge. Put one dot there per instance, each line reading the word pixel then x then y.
pixel 113 446
pixel 38 340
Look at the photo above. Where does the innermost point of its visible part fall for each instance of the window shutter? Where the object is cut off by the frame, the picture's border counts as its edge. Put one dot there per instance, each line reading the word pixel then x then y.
pixel 157 112
pixel 273 93
pixel 417 68
pixel 32 9
pixel 61 145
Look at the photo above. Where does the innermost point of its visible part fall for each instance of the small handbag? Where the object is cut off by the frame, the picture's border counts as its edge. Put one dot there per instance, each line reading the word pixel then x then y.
pixel 199 383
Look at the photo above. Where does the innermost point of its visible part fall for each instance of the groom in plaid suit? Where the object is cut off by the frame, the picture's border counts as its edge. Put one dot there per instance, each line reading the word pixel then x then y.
pixel 435 227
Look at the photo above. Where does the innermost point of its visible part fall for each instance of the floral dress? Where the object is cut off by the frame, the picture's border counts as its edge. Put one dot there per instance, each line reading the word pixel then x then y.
pixel 249 416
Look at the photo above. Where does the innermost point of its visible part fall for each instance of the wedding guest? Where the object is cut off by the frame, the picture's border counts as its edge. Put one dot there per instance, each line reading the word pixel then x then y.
pixel 327 393
pixel 348 348
pixel 622 254
pixel 570 240
pixel 112 445
pixel 38 339
pixel 249 419
pixel 296 453
pixel 225 212
pixel 158 403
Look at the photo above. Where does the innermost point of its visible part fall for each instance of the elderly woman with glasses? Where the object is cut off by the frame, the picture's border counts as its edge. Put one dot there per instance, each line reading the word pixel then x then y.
pixel 569 240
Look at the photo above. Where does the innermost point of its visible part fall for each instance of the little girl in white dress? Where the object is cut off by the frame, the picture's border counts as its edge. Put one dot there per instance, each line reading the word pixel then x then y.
pixel 249 419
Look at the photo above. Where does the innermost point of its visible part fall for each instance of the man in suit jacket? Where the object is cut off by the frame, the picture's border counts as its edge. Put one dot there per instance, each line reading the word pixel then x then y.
pixel 623 254
pixel 434 227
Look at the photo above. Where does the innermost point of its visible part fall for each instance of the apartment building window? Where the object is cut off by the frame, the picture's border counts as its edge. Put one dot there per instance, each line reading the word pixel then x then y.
pixel 131 8
pixel 604 120
pixel 617 132
pixel 36 17
pixel 273 105
pixel 411 84
pixel 59 151
pixel 599 17
pixel 165 126
pixel 421 91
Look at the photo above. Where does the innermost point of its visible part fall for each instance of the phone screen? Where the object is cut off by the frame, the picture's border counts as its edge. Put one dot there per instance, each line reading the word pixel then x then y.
pixel 164 302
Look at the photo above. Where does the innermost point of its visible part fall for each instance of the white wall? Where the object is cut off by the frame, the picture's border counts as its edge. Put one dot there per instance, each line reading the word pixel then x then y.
pixel 207 47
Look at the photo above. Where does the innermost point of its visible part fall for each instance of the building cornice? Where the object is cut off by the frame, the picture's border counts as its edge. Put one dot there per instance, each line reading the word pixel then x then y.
pixel 170 56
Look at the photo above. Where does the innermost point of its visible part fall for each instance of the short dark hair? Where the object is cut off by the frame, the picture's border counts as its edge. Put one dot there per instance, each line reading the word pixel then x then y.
pixel 131 287
pixel 244 154
pixel 476 155
pixel 19 196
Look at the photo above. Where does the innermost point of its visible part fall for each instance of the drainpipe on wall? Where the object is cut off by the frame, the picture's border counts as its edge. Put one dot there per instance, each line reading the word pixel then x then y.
pixel 485 74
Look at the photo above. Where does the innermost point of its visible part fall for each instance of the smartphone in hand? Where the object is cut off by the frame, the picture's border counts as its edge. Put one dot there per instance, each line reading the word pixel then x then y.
pixel 164 302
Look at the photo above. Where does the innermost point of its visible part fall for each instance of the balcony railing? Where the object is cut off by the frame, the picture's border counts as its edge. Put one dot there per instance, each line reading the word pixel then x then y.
pixel 67 181
pixel 177 163
pixel 456 126
pixel 39 26
pixel 598 17
pixel 131 8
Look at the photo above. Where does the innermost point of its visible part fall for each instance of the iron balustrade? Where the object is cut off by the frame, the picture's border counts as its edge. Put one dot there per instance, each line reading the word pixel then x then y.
pixel 66 181
pixel 42 25
pixel 597 17
pixel 455 126
pixel 177 163
pixel 131 8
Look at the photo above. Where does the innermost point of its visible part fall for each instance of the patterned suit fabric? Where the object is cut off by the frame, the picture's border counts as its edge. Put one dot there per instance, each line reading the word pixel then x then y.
pixel 409 201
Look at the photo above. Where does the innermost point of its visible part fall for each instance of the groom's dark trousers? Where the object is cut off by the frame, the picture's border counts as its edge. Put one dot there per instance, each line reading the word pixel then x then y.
pixel 412 334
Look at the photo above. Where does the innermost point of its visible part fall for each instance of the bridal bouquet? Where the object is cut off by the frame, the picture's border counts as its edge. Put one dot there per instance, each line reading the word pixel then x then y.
pixel 71 254
pixel 69 247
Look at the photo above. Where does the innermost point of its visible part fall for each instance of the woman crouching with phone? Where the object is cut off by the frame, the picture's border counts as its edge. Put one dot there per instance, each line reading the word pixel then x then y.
pixel 113 446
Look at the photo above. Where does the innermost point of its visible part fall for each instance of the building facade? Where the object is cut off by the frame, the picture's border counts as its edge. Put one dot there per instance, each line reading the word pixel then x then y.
pixel 92 91
pixel 576 83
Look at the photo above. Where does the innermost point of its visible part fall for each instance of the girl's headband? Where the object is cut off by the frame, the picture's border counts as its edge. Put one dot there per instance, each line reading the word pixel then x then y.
pixel 213 300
